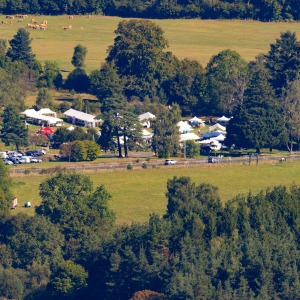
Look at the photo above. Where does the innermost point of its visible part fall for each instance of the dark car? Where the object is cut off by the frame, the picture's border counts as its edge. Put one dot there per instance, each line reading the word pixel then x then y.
pixel 14 160
pixel 33 153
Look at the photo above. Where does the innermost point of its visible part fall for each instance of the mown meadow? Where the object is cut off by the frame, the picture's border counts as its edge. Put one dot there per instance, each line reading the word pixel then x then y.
pixel 194 38
pixel 138 193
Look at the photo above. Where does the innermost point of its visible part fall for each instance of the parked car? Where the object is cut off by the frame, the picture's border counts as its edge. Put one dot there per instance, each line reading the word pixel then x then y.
pixel 24 160
pixel 170 162
pixel 213 160
pixel 8 162
pixel 33 153
pixel 14 160
pixel 35 160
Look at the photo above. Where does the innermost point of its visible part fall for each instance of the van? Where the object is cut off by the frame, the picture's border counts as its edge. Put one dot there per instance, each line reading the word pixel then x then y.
pixel 3 154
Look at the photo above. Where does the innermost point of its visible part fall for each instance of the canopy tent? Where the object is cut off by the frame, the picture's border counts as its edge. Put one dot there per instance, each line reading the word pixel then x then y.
pixel 146 116
pixel 213 134
pixel 71 128
pixel 223 120
pixel 184 127
pixel 81 118
pixel 47 112
pixel 46 130
pixel 147 136
pixel 38 118
pixel 196 120
pixel 146 133
pixel 189 137
pixel 145 119
pixel 217 126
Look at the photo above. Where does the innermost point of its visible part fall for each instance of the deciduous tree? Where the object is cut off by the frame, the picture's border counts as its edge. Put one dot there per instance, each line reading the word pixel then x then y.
pixel 137 52
pixel 165 131
pixel 79 55
pixel 226 81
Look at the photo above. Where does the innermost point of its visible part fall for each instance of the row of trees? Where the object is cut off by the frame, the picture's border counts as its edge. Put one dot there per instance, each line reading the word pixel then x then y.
pixel 200 249
pixel 265 10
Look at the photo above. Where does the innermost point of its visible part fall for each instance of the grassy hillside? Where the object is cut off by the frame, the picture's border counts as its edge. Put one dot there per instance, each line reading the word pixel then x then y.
pixel 137 193
pixel 195 39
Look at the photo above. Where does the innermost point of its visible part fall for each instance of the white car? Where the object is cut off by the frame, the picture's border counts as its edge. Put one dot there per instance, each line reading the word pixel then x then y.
pixel 170 162
pixel 35 160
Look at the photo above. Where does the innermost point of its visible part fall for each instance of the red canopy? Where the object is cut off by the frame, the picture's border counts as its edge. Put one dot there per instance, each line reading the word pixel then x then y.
pixel 46 130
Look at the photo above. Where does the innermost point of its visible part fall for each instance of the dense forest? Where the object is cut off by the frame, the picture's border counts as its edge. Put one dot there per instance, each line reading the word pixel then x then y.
pixel 200 249
pixel 264 10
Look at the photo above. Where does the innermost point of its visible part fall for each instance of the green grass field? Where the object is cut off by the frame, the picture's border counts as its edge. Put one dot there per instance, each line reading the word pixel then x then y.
pixel 196 39
pixel 140 192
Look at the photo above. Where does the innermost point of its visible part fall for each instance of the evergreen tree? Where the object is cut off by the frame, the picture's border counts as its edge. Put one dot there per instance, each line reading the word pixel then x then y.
pixel 5 193
pixel 291 112
pixel 21 49
pixel 257 122
pixel 13 128
pixel 283 61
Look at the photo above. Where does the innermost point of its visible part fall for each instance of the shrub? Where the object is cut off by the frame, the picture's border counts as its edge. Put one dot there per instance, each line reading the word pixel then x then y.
pixel 144 166
pixel 129 167
pixel 27 171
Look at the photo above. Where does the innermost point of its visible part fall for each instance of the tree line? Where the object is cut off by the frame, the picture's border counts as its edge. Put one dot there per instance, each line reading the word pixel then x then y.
pixel 72 248
pixel 264 10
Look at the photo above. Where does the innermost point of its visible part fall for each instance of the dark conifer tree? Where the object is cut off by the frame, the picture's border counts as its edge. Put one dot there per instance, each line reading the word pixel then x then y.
pixel 21 49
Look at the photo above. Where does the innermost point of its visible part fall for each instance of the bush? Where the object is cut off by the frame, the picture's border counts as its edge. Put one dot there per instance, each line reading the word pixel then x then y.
pixel 144 166
pixel 148 159
pixel 129 167
pixel 27 171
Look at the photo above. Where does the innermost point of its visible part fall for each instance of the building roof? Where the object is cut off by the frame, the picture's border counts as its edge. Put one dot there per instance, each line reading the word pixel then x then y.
pixel 80 115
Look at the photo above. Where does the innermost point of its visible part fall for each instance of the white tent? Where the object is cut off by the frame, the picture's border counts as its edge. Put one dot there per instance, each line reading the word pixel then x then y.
pixel 146 116
pixel 212 134
pixel 223 120
pixel 184 127
pixel 146 134
pixel 189 137
pixel 217 126
pixel 38 118
pixel 47 112
pixel 82 118
pixel 196 120
pixel 71 128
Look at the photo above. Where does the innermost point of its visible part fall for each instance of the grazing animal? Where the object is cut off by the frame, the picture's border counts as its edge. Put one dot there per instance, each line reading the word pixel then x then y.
pixel 71 17
pixel 4 23
pixel 10 17
pixel 282 159
pixel 67 27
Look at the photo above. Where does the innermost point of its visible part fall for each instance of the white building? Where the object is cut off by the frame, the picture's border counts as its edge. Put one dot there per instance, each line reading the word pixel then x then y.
pixel 81 118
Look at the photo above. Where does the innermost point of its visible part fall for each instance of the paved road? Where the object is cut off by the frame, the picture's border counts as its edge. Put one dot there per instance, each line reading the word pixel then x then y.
pixel 152 163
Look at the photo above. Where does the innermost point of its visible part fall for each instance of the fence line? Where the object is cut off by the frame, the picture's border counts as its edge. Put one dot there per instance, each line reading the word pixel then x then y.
pixel 108 167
